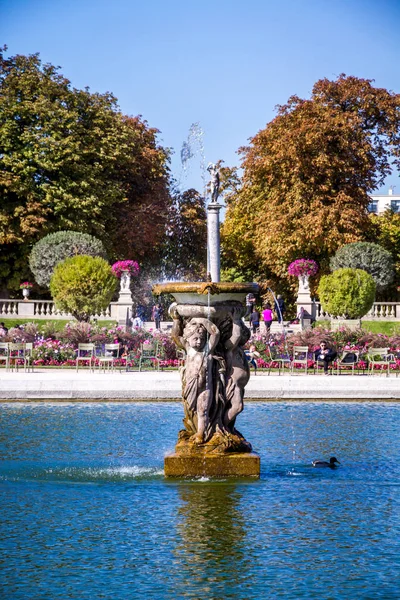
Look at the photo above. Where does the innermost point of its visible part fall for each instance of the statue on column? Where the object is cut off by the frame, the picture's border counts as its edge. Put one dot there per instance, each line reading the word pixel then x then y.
pixel 214 182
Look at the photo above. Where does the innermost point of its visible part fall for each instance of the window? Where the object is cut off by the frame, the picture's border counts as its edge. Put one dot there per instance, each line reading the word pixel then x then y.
pixel 373 206
pixel 395 205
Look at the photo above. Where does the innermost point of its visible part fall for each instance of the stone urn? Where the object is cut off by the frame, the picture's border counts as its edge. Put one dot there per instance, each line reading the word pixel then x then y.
pixel 26 293
pixel 208 327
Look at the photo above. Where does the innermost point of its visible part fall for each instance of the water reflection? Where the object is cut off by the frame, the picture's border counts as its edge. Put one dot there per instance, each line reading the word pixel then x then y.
pixel 212 536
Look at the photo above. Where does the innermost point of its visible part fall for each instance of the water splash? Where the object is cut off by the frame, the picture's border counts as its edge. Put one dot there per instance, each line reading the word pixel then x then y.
pixel 192 148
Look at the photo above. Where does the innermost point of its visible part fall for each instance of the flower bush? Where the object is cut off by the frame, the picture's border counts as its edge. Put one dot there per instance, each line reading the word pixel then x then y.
pixel 59 348
pixel 52 352
pixel 125 265
pixel 26 285
pixel 303 266
pixel 341 340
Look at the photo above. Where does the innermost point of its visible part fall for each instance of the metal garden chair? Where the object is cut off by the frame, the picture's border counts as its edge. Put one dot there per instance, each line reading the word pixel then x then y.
pixel 85 353
pixel 4 354
pixel 108 356
pixel 380 357
pixel 281 360
pixel 149 352
pixel 348 359
pixel 300 357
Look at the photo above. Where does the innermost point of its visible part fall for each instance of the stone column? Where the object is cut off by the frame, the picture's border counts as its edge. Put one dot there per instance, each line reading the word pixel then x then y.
pixel 213 258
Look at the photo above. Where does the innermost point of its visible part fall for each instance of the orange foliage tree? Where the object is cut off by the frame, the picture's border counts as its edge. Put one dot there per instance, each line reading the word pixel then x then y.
pixel 307 177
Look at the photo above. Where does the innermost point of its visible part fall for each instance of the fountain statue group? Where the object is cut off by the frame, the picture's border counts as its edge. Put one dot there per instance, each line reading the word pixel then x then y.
pixel 213 377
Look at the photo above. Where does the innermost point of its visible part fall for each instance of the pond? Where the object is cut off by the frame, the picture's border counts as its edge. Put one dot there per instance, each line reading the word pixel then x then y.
pixel 87 513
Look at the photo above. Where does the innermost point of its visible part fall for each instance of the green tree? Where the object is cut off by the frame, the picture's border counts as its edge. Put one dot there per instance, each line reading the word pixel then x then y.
pixel 347 292
pixel 56 247
pixel 372 258
pixel 184 254
pixel 83 286
pixel 308 174
pixel 387 234
pixel 70 160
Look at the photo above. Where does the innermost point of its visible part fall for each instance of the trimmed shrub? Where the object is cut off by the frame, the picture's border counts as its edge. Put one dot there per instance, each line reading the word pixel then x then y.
pixel 83 286
pixel 56 247
pixel 372 258
pixel 347 293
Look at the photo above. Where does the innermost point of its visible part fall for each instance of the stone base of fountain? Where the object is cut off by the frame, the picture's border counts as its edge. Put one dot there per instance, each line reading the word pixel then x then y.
pixel 225 454
pixel 212 465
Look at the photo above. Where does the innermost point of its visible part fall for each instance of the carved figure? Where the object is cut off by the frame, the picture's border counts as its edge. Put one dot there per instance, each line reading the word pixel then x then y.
pixel 237 369
pixel 125 281
pixel 199 339
pixel 212 169
pixel 213 377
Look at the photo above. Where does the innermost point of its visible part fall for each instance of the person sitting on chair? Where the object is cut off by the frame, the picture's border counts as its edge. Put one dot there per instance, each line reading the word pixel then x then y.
pixel 325 355
pixel 252 355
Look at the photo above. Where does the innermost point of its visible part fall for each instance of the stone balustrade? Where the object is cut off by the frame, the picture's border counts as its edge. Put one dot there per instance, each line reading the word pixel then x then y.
pixel 117 311
pixel 46 310
pixel 380 311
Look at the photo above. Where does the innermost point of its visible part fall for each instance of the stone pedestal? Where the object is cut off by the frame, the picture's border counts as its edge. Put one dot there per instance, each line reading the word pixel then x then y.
pixel 213 465
pixel 303 300
pixel 125 300
pixel 26 309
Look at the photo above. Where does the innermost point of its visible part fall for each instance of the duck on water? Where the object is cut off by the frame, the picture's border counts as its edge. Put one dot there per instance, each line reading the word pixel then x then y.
pixel 323 463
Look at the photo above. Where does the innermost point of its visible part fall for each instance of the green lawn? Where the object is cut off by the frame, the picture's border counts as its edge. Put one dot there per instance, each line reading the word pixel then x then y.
pixel 385 327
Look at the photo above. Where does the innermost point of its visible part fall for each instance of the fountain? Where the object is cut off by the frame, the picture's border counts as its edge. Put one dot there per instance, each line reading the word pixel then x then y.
pixel 208 326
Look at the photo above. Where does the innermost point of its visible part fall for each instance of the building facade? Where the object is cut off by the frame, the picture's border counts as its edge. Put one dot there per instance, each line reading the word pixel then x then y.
pixel 381 202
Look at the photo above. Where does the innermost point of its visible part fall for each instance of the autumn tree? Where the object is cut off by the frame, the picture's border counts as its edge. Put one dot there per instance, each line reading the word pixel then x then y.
pixel 70 160
pixel 308 174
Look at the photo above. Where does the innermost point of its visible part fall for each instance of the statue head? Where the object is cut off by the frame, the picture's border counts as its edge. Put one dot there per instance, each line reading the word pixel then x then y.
pixel 196 336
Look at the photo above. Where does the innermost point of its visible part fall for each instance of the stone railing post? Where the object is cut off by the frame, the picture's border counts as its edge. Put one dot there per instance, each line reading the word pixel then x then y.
pixel 26 309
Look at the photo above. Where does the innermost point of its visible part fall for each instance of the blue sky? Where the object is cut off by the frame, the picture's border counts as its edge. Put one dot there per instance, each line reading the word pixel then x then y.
pixel 224 64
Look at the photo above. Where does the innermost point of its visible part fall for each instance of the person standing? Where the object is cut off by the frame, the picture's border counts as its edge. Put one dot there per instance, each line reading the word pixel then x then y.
pixel 157 315
pixel 280 308
pixel 250 303
pixel 268 317
pixel 254 320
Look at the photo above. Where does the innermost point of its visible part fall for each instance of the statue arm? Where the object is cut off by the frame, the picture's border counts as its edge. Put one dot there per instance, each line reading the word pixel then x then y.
pixel 236 329
pixel 177 327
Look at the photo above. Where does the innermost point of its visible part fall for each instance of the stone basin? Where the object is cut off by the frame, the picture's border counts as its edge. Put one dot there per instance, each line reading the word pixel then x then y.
pixel 198 292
